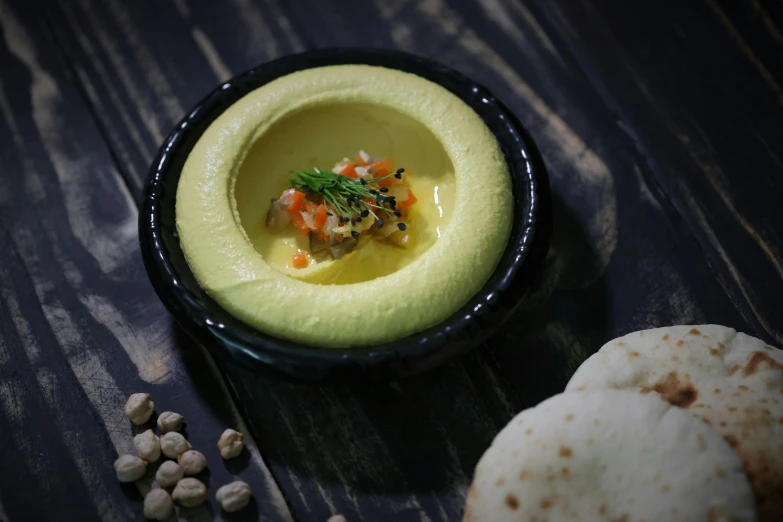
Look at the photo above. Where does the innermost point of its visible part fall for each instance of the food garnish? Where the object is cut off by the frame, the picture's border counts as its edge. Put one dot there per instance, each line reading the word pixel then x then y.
pixel 336 208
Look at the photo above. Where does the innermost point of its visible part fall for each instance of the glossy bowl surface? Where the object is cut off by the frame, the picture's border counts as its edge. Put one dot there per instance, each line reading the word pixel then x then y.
pixel 227 337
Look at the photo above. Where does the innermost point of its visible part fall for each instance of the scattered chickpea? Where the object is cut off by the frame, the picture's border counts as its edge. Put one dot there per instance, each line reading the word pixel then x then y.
pixel 190 492
pixel 139 408
pixel 158 505
pixel 337 518
pixel 234 496
pixel 129 468
pixel 192 462
pixel 173 444
pixel 168 474
pixel 147 445
pixel 230 444
pixel 170 421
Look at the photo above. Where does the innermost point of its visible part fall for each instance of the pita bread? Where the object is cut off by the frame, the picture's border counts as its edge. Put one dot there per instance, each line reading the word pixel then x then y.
pixel 608 455
pixel 730 380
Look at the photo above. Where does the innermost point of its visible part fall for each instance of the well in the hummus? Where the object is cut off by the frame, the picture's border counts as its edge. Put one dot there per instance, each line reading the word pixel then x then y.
pixel 341 209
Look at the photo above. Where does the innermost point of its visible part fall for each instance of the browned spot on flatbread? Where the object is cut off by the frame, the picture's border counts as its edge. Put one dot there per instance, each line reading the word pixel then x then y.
pixel 500 481
pixel 767 347
pixel 713 351
pixel 633 354
pixel 512 502
pixel 524 475
pixel 732 409
pixel 566 473
pixel 720 472
pixel 602 509
pixel 620 343
pixel 545 503
pixel 596 422
pixel 742 387
pixel 665 488
pixel 680 342
pixel 694 331
pixel 665 337
pixel 716 390
pixel 732 440
pixel 528 431
pixel 722 424
pixel 734 369
pixel 621 518
pixel 676 392
pixel 565 451
pixel 569 417
pixel 757 359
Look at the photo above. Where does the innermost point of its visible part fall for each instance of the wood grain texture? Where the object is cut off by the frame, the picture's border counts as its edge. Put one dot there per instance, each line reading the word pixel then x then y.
pixel 697 85
pixel 624 255
pixel 80 327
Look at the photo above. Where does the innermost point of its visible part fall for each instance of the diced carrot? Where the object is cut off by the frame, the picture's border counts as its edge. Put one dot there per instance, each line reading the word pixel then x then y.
pixel 360 160
pixel 349 171
pixel 388 182
pixel 300 260
pixel 296 204
pixel 319 217
pixel 310 207
pixel 408 202
pixel 299 222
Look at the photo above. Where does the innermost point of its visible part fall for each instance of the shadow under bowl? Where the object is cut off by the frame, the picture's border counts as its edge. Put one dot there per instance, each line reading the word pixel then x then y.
pixel 229 338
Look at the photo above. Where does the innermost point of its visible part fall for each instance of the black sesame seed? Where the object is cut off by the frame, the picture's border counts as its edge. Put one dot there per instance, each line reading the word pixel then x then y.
pixel 365 213
pixel 362 181
pixel 354 233
pixel 321 188
pixel 392 203
pixel 380 223
pixel 385 190
pixel 353 221
pixel 398 174
pixel 329 214
pixel 397 213
pixel 373 192
pixel 401 226
pixel 358 220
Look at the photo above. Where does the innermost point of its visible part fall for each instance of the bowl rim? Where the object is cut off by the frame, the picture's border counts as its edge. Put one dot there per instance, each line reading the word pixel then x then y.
pixel 255 349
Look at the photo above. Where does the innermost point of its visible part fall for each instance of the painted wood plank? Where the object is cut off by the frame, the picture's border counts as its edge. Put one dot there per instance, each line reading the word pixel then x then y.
pixel 80 327
pixel 698 86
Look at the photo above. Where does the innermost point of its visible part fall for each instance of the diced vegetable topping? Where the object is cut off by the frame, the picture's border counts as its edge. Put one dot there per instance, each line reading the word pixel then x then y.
pixel 335 208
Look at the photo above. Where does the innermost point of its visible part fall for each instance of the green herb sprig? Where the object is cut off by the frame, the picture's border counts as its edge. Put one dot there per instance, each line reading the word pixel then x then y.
pixel 347 196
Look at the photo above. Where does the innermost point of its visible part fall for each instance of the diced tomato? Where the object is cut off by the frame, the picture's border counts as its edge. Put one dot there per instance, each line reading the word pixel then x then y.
pixel 408 202
pixel 360 160
pixel 299 222
pixel 297 202
pixel 300 260
pixel 319 217
pixel 310 207
pixel 349 171
pixel 382 167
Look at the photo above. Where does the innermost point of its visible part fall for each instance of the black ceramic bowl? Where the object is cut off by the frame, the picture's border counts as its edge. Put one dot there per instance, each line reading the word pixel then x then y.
pixel 227 337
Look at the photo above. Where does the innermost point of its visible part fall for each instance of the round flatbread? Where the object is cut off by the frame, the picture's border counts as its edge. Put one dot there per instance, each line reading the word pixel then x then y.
pixel 730 380
pixel 608 455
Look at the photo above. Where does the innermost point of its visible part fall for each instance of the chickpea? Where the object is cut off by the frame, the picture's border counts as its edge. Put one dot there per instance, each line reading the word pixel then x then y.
pixel 190 492
pixel 234 496
pixel 173 444
pixel 147 445
pixel 170 421
pixel 192 462
pixel 139 408
pixel 129 468
pixel 337 518
pixel 230 444
pixel 158 505
pixel 169 473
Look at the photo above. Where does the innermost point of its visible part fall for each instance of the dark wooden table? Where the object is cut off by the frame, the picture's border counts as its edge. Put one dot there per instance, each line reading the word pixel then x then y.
pixel 661 123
